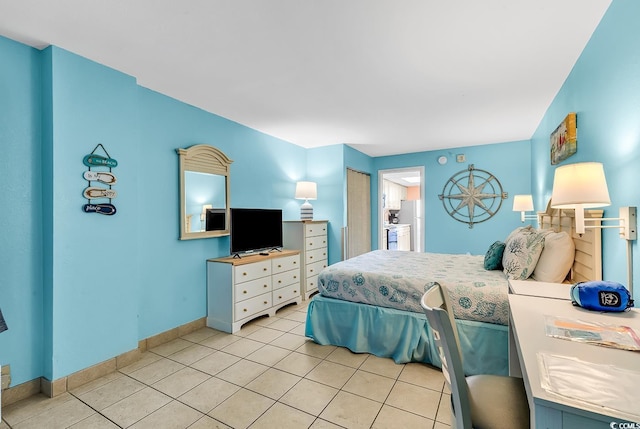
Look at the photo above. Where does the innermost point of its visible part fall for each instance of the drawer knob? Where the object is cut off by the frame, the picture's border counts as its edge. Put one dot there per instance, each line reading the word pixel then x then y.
pixel 310 244
pixel 311 270
pixel 279 266
pixel 244 291
pixel 295 262
pixel 295 291
pixel 265 303
pixel 265 286
pixel 310 257
pixel 279 297
pixel 264 269
pixel 245 310
pixel 279 281
pixel 244 274
pixel 295 277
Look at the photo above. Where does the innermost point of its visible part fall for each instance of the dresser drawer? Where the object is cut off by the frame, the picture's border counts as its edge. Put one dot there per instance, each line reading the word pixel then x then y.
pixel 279 265
pixel 313 243
pixel 315 268
pixel 314 229
pixel 246 290
pixel 316 255
pixel 244 273
pixel 286 293
pixel 252 306
pixel 285 279
pixel 312 283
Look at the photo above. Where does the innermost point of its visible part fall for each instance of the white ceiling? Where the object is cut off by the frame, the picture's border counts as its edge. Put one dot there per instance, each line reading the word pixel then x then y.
pixel 384 76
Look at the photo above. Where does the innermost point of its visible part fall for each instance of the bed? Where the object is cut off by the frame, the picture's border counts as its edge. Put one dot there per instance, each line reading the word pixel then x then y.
pixel 370 303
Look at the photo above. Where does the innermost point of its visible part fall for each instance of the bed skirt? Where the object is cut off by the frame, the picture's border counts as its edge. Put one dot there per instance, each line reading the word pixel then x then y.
pixel 403 336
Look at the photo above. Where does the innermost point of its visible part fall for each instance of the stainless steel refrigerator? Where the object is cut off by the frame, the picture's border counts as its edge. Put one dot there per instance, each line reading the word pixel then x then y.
pixel 411 213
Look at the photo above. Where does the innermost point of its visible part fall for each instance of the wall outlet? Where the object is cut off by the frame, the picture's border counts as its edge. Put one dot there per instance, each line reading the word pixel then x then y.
pixel 5 379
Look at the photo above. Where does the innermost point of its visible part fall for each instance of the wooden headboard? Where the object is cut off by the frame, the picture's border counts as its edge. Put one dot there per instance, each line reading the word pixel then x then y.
pixel 587 264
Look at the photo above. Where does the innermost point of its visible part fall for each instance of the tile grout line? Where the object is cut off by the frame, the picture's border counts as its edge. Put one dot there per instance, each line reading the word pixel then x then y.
pixel 358 368
pixel 98 412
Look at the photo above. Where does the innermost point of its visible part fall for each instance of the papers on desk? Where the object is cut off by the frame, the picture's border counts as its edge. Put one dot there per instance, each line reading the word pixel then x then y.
pixel 616 336
pixel 596 384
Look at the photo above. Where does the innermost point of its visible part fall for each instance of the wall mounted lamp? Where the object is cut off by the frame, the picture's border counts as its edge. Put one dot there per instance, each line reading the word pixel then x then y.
pixel 306 191
pixel 584 186
pixel 522 204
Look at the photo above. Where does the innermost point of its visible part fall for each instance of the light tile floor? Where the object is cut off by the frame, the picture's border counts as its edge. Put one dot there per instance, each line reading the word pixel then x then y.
pixel 268 375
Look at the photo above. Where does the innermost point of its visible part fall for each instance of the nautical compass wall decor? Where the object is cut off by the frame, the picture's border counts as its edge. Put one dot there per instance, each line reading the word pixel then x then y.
pixel 472 196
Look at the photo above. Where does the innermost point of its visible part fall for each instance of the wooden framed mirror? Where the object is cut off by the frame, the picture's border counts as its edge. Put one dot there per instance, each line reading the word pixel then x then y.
pixel 204 192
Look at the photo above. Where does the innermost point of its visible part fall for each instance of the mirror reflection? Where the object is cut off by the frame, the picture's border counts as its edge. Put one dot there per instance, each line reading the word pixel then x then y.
pixel 204 192
pixel 205 197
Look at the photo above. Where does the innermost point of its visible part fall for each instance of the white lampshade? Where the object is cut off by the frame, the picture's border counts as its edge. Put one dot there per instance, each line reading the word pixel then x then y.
pixel 582 184
pixel 306 191
pixel 522 203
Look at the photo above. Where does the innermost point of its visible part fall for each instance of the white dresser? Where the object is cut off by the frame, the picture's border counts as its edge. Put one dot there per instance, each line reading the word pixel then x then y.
pixel 241 289
pixel 310 237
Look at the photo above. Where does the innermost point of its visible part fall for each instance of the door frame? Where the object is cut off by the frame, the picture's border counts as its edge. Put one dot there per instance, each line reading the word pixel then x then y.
pixel 380 220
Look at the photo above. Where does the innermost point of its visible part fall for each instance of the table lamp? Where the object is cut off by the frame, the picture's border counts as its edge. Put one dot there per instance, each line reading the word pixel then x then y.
pixel 306 191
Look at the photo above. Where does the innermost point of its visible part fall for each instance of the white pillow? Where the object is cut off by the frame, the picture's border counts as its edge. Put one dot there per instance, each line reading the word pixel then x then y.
pixel 517 231
pixel 556 258
pixel 521 252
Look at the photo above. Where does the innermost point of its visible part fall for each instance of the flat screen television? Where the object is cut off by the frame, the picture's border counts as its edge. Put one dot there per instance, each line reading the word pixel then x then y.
pixel 215 219
pixel 255 229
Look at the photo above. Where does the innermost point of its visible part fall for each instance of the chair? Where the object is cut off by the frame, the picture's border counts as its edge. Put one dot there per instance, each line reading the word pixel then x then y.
pixel 477 401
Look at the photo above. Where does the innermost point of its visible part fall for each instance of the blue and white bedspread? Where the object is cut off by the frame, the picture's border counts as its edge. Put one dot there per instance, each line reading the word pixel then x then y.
pixel 397 279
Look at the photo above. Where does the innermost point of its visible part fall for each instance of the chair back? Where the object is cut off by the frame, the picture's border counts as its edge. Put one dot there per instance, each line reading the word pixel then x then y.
pixel 435 304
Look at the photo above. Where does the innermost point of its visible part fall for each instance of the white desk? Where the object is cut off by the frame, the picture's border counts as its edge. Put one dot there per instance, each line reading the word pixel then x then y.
pixel 527 328
pixel 541 289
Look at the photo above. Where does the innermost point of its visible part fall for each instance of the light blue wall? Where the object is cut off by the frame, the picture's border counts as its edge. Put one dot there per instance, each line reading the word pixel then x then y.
pixel 326 168
pixel 22 212
pixel 604 90
pixel 92 257
pixel 82 288
pixel 508 162
pixel 172 289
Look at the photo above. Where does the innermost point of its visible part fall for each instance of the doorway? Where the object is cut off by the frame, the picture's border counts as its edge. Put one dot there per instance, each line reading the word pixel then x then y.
pixel 401 209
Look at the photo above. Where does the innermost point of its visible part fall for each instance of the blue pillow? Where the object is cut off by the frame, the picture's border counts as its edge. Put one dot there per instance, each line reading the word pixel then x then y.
pixel 493 258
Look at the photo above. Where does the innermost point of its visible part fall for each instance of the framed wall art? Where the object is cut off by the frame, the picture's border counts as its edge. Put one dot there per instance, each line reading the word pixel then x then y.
pixel 564 139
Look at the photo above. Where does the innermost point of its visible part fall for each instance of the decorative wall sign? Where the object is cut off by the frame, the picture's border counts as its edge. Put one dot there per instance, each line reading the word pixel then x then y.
pixel 97 179
pixel 564 139
pixel 472 196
